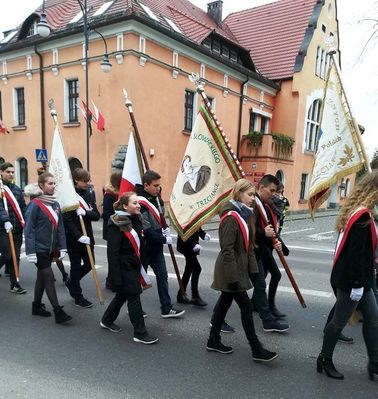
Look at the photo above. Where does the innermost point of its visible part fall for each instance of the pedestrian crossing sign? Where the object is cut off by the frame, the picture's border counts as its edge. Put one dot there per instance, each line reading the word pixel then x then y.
pixel 41 155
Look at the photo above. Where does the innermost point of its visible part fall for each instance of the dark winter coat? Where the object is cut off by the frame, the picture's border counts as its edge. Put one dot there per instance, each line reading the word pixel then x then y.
pixel 110 197
pixel 233 264
pixel 17 192
pixel 72 222
pixel 186 247
pixel 354 267
pixel 124 264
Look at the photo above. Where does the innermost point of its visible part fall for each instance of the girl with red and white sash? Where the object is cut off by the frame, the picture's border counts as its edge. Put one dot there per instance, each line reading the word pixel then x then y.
pixel 353 274
pixel 125 245
pixel 44 240
pixel 234 264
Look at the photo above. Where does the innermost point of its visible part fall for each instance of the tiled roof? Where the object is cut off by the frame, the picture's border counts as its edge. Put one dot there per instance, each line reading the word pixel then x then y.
pixel 273 33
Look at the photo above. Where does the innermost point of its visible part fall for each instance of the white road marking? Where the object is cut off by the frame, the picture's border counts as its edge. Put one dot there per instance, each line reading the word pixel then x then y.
pixel 319 236
pixel 297 231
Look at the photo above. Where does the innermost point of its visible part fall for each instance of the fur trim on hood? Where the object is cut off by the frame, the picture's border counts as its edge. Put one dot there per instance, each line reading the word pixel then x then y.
pixel 33 190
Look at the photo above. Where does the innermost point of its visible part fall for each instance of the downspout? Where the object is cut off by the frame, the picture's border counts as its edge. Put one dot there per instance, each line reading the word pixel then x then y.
pixel 42 101
pixel 240 118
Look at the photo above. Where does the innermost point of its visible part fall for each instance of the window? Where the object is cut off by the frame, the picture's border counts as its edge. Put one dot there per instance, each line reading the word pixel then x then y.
pixel 212 102
pixel 280 176
pixel 172 25
pixel 322 63
pixel 103 8
pixel 233 56
pixel 2 160
pixel 259 122
pixel 302 193
pixel 149 12
pixel 189 110
pixel 73 96
pixel 312 125
pixel 22 169
pixel 264 126
pixel 216 46
pixel 74 163
pixel 32 29
pixel 252 122
pixel 347 187
pixel 207 42
pixel 20 106
pixel 225 51
pixel 76 18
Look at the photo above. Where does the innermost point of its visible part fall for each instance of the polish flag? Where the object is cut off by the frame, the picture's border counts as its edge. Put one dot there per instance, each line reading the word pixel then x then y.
pixel 132 168
pixel 100 121
pixel 3 128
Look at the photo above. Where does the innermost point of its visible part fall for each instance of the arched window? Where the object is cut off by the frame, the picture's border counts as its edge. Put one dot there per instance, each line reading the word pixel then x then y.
pixel 347 187
pixel 280 176
pixel 2 160
pixel 74 163
pixel 342 188
pixel 22 172
pixel 312 125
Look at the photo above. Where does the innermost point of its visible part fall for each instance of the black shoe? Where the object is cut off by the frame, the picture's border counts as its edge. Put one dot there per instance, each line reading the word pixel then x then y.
pixel 65 277
pixel 60 315
pixel 146 339
pixel 173 313
pixel 326 364
pixel 111 327
pixel 17 289
pixel 39 309
pixel 274 326
pixel 345 339
pixel 260 354
pixel 83 303
pixel 198 301
pixel 215 345
pixel 183 299
pixel 276 313
pixel 372 369
pixel 226 328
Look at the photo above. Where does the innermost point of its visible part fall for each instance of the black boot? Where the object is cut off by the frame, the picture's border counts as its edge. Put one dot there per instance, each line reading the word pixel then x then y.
pixel 60 315
pixel 326 364
pixel 372 369
pixel 198 301
pixel 260 354
pixel 214 344
pixel 39 309
pixel 183 299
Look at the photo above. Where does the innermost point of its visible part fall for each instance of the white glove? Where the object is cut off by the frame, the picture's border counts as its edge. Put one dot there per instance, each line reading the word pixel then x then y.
pixel 356 294
pixel 8 226
pixel 166 231
pixel 207 237
pixel 168 240
pixel 197 248
pixel 62 254
pixel 32 258
pixel 80 211
pixel 84 240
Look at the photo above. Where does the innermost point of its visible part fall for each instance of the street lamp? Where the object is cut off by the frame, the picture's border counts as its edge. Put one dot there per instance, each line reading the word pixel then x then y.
pixel 44 30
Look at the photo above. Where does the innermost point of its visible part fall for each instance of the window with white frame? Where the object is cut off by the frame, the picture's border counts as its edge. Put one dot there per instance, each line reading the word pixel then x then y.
pixel 189 109
pixel 312 125
pixel 22 172
pixel 19 106
pixel 32 29
pixel 259 122
pixel 71 100
pixel 303 187
pixel 322 63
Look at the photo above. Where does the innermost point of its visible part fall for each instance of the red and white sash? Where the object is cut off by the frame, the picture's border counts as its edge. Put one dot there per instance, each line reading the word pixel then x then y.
pixel 242 224
pixel 14 204
pixel 83 203
pixel 264 216
pixel 49 212
pixel 344 234
pixel 135 243
pixel 151 207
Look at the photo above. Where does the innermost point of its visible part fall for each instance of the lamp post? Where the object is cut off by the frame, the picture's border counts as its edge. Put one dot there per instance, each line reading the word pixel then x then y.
pixel 43 30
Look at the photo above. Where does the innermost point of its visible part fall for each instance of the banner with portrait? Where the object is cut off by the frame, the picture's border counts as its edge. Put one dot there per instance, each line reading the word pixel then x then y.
pixel 205 177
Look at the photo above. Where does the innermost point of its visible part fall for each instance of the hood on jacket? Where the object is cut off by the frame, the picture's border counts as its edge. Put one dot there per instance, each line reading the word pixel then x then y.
pixel 110 189
pixel 32 190
pixel 121 221
pixel 228 206
pixel 139 189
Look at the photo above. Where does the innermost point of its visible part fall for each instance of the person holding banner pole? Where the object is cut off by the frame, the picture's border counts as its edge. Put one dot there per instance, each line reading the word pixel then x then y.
pixel 353 275
pixel 76 241
pixel 125 248
pixel 12 212
pixel 44 240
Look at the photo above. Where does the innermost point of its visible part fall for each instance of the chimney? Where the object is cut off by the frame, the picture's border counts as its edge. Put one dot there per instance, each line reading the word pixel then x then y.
pixel 214 9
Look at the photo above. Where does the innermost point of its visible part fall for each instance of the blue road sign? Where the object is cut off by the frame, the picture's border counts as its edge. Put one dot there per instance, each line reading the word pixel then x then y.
pixel 41 155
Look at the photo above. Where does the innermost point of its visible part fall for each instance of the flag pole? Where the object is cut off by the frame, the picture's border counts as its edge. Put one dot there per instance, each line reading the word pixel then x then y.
pixel 84 231
pixel 357 134
pixel 129 106
pixel 10 235
pixel 200 89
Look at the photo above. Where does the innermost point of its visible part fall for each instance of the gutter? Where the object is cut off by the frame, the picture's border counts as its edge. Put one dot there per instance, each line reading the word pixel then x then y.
pixel 240 117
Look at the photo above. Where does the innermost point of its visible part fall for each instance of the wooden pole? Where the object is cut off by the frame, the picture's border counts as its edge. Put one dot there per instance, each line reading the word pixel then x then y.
pixel 10 235
pixel 89 249
pixel 129 107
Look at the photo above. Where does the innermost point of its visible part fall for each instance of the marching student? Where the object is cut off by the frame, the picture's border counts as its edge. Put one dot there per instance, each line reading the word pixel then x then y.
pixel 125 246
pixel 191 249
pixel 13 220
pixel 155 238
pixel 233 266
pixel 353 275
pixel 44 239
pixel 76 241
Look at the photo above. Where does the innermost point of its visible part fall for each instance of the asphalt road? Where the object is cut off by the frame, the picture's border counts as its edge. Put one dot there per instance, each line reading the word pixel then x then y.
pixel 40 359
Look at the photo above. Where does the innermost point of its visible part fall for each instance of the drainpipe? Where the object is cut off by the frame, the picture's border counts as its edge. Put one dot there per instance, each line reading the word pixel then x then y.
pixel 240 117
pixel 42 100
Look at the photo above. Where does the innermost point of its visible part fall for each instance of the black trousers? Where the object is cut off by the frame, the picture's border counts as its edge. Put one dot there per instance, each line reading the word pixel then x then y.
pixel 270 266
pixel 78 270
pixel 6 257
pixel 135 311
pixel 245 306
pixel 192 269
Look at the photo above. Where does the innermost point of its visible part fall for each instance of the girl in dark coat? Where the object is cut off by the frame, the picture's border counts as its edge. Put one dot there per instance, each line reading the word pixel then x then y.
pixel 353 275
pixel 45 239
pixel 125 246
pixel 234 264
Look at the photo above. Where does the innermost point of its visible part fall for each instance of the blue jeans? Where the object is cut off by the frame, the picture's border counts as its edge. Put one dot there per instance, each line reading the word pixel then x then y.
pixel 157 262
pixel 344 308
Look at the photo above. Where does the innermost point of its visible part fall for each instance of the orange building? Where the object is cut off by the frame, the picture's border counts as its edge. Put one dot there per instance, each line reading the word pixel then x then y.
pixel 263 68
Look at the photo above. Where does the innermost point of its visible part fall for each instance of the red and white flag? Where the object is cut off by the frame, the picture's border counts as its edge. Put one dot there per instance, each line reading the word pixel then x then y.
pixel 133 167
pixel 3 128
pixel 99 118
